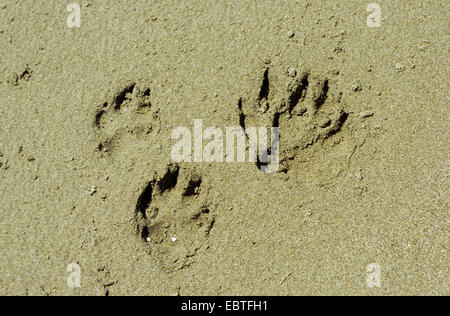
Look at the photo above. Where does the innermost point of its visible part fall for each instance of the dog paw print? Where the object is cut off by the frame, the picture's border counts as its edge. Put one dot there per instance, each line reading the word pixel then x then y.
pixel 173 217
pixel 305 112
pixel 129 113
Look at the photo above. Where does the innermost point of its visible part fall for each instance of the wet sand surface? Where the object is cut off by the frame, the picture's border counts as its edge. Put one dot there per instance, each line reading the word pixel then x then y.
pixel 87 176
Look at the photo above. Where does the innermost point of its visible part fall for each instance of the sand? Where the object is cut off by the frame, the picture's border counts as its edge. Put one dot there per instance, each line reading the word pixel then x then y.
pixel 359 205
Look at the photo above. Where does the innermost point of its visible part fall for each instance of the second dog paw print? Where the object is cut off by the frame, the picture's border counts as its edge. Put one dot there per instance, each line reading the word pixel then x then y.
pixel 128 113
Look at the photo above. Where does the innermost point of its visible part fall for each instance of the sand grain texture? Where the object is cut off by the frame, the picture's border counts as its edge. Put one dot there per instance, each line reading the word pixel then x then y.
pixel 86 176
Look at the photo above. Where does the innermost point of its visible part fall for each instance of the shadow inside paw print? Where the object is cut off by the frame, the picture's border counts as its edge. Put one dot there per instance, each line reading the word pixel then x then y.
pixel 305 113
pixel 3 162
pixel 173 217
pixel 129 113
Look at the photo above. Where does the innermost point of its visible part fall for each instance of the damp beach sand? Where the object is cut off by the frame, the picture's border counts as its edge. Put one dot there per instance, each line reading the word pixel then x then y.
pixel 359 204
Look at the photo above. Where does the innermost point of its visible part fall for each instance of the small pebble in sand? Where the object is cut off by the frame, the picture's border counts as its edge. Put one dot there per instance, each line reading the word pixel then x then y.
pixel 356 87
pixel 292 72
pixel 366 114
pixel 400 67
pixel 359 174
pixel 92 191
pixel 291 34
